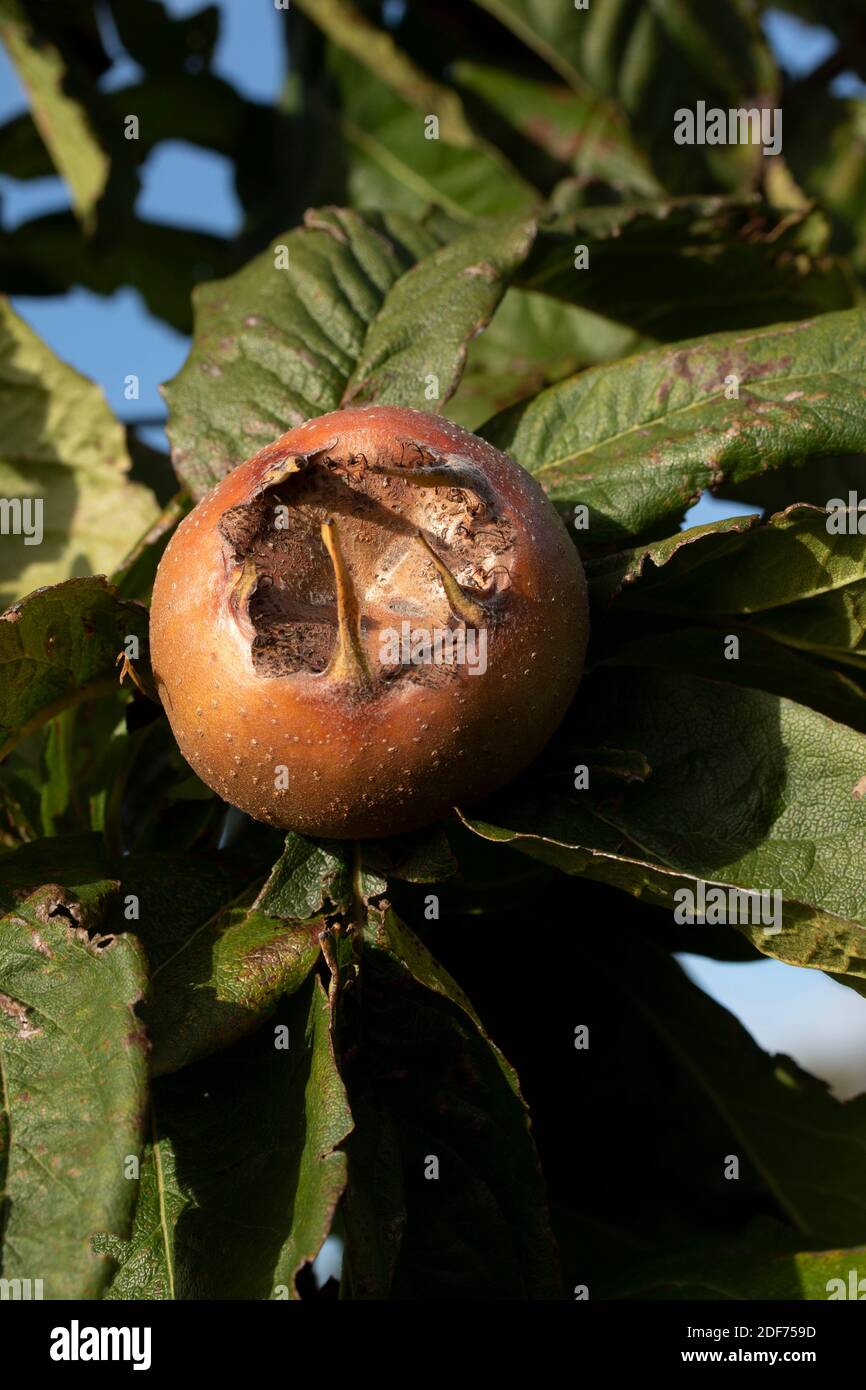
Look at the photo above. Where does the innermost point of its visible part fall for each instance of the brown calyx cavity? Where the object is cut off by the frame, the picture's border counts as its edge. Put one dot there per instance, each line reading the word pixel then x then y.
pixel 337 551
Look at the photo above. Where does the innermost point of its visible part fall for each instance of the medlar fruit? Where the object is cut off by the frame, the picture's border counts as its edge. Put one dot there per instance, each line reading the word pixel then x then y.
pixel 377 617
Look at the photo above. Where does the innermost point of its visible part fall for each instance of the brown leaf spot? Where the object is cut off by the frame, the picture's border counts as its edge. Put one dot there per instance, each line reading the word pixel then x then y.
pixel 20 1014
pixel 483 270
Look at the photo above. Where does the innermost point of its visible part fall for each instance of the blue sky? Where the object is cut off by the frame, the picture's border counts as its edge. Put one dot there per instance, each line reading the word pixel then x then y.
pixel 801 1012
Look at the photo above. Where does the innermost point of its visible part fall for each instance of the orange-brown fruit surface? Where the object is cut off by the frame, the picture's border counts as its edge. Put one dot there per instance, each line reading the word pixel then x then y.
pixel 374 619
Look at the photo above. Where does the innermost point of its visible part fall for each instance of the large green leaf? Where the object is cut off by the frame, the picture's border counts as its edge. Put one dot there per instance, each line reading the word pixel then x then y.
pixel 452 292
pixel 222 945
pixel 702 812
pixel 147 1260
pixel 637 442
pixel 725 44
pixel 63 454
pixel 367 310
pixel 73 1068
pixel 431 1209
pixel 61 121
pixel 244 1171
pixel 59 647
pixel 698 649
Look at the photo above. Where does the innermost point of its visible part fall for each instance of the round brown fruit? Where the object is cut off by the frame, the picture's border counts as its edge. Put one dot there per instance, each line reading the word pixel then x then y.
pixel 282 603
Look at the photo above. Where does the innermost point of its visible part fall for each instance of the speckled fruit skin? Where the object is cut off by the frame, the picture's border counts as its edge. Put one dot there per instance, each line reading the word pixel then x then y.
pixel 401 757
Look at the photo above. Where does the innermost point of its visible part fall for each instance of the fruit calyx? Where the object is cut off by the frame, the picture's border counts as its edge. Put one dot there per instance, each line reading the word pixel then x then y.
pixel 335 547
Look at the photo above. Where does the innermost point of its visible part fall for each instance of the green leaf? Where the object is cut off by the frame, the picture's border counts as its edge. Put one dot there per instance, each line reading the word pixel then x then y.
pixel 77 865
pixel 425 856
pixel 642 62
pixel 798 827
pixel 638 441
pixel 532 342
pixel 221 980
pixel 62 121
pixel 799 579
pixel 63 467
pixel 345 321
pixel 73 1067
pixel 428 1084
pixel 570 126
pixel 58 648
pixel 456 289
pixel 551 30
pixel 222 948
pixel 387 111
pixel 656 59
pixel 555 33
pixel 245 1170
pixel 724 44
pixel 393 163
pixel 147 1261
pixel 632 574
pixel 761 663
